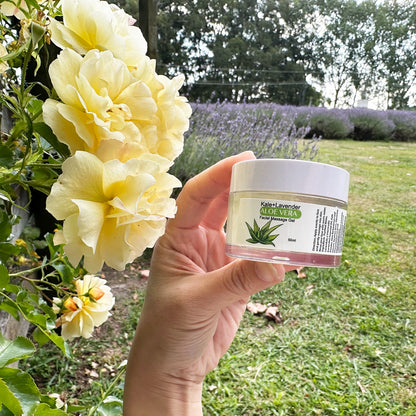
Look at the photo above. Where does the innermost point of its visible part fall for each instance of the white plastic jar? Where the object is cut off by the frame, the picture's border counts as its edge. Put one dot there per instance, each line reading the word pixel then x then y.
pixel 287 211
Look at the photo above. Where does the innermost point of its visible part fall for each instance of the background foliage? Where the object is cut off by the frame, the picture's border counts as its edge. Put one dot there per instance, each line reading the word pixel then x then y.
pixel 297 52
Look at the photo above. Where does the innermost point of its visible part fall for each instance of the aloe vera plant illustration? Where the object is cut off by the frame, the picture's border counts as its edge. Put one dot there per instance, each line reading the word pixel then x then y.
pixel 262 235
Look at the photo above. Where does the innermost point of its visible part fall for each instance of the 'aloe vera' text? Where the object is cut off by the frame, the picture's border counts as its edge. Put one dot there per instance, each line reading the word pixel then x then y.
pixel 280 212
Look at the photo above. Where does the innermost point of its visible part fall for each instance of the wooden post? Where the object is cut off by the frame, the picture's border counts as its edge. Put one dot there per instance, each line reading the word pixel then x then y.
pixel 148 25
pixel 10 328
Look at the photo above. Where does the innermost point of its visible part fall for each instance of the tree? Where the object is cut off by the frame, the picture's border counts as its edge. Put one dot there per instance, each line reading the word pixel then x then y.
pixel 287 51
pixel 395 26
pixel 236 49
pixel 343 45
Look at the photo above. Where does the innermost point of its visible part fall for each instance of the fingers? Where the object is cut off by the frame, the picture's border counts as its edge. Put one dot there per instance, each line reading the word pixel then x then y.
pixel 197 195
pixel 240 280
pixel 217 212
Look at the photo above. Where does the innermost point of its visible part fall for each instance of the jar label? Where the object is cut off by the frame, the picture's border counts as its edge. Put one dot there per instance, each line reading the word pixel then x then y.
pixel 286 225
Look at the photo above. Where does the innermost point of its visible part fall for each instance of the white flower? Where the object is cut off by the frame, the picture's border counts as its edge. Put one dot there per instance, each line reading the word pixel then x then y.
pixel 89 309
pixel 111 210
pixel 95 24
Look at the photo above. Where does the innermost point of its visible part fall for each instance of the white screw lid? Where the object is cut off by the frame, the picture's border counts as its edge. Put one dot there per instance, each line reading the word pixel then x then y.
pixel 287 175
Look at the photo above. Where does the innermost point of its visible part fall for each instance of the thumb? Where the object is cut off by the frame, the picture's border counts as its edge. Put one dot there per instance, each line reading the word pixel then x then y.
pixel 242 278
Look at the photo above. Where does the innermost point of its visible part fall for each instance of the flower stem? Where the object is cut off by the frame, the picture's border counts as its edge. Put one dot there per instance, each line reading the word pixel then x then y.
pixel 108 391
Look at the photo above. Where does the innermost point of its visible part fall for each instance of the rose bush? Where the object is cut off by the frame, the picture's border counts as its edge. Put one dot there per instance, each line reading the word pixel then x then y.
pixel 98 139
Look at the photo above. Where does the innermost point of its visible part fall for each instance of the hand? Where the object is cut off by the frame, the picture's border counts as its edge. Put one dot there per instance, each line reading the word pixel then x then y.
pixel 195 299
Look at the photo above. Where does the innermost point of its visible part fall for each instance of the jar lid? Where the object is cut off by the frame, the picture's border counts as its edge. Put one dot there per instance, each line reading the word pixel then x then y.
pixel 288 175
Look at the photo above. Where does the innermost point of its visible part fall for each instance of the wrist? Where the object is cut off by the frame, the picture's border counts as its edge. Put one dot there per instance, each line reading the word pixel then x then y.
pixel 155 386
pixel 151 394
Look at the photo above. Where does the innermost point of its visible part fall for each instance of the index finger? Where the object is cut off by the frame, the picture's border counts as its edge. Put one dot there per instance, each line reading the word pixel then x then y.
pixel 199 192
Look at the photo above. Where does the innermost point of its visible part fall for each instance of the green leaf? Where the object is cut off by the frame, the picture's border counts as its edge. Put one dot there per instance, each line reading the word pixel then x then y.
pixel 11 351
pixel 8 250
pixel 6 156
pixel 66 272
pixel 40 337
pixel 37 319
pixel 10 308
pixel 73 408
pixel 251 240
pixel 34 106
pixel 5 226
pixel 45 410
pixel 270 238
pixel 37 32
pixel 264 230
pixel 112 406
pixel 33 3
pixel 4 276
pixel 46 132
pixel 23 388
pixel 12 55
pixel 270 230
pixel 13 288
pixel 253 235
pixel 5 196
pixel 8 399
pixel 57 340
pixel 43 178
pixel 256 227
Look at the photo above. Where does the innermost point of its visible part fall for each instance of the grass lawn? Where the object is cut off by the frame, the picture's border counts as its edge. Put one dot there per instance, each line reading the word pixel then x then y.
pixel 347 343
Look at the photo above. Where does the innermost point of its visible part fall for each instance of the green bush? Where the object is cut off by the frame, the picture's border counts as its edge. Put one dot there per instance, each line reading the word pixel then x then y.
pixel 371 125
pixel 328 124
pixel 404 125
pixel 331 124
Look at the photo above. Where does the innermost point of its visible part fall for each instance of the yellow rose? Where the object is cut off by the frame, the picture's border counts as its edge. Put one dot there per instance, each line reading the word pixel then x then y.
pixel 173 112
pixel 83 312
pixel 112 211
pixel 165 135
pixel 101 100
pixel 94 24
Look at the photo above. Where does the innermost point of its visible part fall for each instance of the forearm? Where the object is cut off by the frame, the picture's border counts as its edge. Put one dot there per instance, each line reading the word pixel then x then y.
pixel 143 398
pixel 150 389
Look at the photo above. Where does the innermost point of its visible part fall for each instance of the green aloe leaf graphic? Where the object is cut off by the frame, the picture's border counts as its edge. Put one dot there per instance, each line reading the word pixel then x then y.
pixel 262 235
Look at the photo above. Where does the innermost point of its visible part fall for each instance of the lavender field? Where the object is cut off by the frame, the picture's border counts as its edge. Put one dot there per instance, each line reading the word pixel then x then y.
pixel 220 129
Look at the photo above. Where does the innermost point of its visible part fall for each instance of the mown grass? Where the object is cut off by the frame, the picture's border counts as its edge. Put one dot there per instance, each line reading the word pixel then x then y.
pixel 347 344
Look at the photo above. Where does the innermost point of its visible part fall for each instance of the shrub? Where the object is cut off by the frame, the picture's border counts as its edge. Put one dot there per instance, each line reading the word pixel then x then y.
pixel 404 125
pixel 331 124
pixel 222 129
pixel 371 125
pixel 325 123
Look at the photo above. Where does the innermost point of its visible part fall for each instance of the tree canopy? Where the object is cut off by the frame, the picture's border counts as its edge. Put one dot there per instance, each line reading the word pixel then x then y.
pixel 298 52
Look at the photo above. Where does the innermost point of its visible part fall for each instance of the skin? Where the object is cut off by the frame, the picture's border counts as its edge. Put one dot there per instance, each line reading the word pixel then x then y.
pixel 194 303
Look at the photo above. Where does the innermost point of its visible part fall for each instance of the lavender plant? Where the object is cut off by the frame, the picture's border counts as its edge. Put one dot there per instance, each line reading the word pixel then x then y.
pixel 333 124
pixel 371 124
pixel 404 125
pixel 218 130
